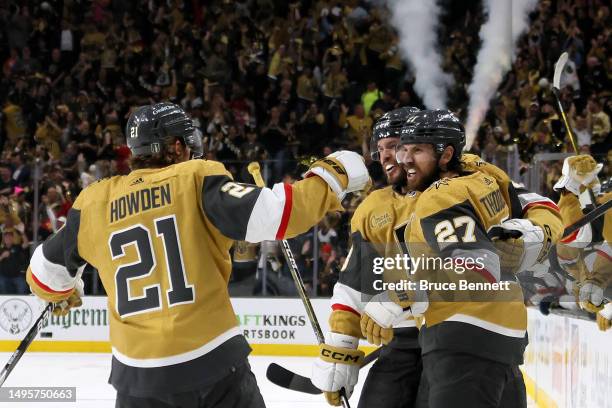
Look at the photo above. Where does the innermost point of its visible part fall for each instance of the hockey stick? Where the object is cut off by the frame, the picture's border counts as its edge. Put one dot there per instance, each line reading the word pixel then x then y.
pixel 25 343
pixel 556 90
pixel 285 378
pixel 588 218
pixel 254 169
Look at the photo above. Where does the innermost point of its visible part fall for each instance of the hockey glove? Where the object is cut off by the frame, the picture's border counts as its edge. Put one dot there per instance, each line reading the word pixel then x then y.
pixel 591 297
pixel 344 171
pixel 520 244
pixel 384 311
pixel 604 317
pixel 579 172
pixel 74 300
pixel 337 366
pixel 374 333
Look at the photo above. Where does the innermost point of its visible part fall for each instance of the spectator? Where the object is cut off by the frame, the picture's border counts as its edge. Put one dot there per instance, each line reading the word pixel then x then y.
pixel 599 122
pixel 371 95
pixel 7 183
pixel 330 269
pixel 386 103
pixel 72 75
pixel 21 170
pixel 358 126
pixel 14 260
pixel 307 89
pixel 582 132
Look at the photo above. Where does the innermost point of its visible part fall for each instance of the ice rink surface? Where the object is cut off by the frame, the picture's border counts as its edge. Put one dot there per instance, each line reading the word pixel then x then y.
pixel 89 372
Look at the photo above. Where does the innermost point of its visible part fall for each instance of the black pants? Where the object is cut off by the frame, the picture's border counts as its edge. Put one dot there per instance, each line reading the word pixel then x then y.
pixel 459 380
pixel 237 390
pixel 393 380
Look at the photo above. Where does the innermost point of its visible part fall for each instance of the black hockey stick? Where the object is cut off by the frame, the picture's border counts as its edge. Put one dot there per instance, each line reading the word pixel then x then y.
pixel 501 233
pixel 253 168
pixel 285 378
pixel 588 218
pixel 25 343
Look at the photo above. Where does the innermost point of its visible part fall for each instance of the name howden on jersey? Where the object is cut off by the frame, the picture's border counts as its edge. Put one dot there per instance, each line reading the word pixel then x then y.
pixel 139 201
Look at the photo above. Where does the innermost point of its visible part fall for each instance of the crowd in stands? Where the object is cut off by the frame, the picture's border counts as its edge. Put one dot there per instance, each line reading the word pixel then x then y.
pixel 267 80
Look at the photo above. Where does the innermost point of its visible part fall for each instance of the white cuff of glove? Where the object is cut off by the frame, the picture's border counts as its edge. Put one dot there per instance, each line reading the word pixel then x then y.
pixel 331 377
pixel 386 313
pixel 533 240
pixel 356 172
pixel 606 312
pixel 79 286
pixel 341 340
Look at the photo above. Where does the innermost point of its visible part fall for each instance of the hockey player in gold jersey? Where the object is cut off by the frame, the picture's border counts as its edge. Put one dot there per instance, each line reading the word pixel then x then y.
pixel 160 239
pixel 472 340
pixel 395 375
pixel 587 253
pixel 377 230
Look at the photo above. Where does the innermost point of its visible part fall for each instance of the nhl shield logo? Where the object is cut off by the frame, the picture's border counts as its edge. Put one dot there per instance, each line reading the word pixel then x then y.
pixel 15 316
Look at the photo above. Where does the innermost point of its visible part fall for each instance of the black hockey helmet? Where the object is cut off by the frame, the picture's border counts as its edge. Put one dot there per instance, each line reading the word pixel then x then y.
pixel 389 125
pixel 438 127
pixel 150 127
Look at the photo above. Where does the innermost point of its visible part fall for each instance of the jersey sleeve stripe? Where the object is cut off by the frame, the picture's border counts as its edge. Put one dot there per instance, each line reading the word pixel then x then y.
pixel 51 277
pixel 545 203
pixel 339 306
pixel 485 274
pixel 282 229
pixel 564 258
pixel 349 298
pixel 570 237
pixel 604 254
pixel 47 288
pixel 266 216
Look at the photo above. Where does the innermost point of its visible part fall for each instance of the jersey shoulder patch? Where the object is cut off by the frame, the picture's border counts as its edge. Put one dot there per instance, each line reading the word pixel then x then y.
pixel 375 212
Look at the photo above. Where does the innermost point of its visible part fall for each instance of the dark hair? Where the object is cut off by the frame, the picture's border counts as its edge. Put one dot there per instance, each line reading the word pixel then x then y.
pixel 157 160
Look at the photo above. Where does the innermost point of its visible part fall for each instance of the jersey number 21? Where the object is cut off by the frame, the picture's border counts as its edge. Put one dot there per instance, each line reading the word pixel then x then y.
pixel 180 291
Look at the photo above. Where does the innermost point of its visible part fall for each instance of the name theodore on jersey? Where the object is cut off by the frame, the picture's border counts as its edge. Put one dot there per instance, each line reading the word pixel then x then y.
pixel 138 201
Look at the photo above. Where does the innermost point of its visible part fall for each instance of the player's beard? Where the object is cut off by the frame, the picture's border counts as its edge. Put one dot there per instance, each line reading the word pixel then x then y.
pixel 397 179
pixel 422 179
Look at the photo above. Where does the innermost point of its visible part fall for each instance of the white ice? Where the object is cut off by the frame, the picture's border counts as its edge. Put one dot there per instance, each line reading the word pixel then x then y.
pixel 88 372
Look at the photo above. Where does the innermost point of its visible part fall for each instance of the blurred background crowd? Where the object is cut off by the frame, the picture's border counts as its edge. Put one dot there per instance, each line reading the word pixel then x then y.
pixel 268 80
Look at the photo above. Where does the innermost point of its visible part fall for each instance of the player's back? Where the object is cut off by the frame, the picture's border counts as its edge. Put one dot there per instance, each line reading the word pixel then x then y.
pixel 164 266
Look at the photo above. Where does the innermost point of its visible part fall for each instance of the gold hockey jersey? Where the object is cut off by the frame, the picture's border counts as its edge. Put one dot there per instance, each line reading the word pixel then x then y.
pixel 160 239
pixel 468 309
pixel 377 230
pixel 379 225
pixel 586 253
